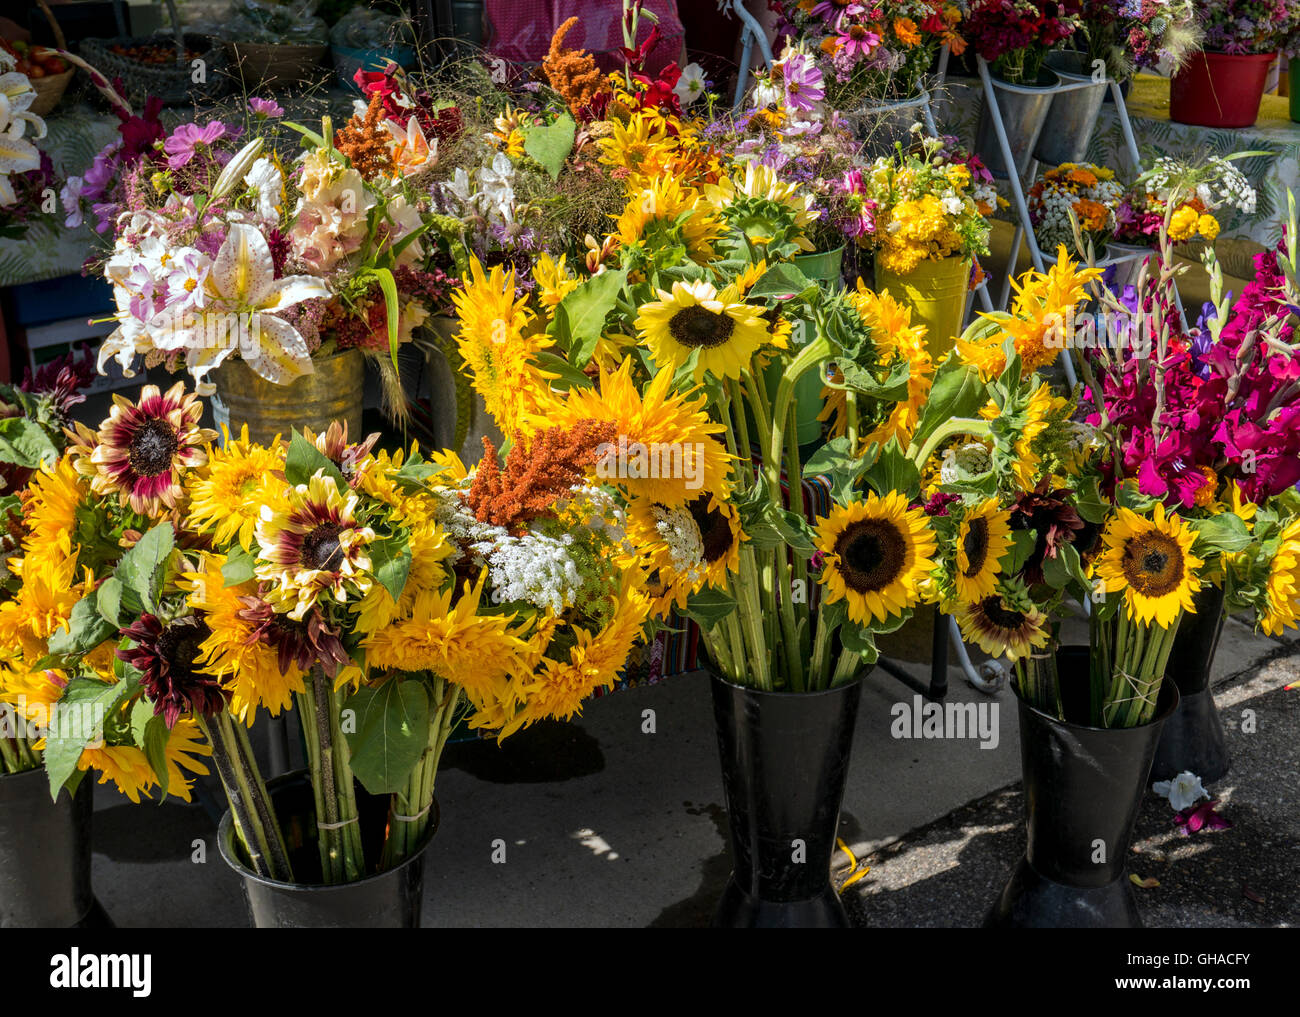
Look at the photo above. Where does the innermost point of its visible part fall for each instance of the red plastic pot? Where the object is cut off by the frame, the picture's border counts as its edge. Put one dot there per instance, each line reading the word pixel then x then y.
pixel 1219 89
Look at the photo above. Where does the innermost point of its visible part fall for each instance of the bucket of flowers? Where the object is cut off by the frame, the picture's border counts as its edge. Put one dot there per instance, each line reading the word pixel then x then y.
pixel 1088 193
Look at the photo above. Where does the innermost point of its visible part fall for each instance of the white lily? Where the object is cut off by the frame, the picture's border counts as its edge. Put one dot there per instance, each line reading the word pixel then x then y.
pixel 1183 791
pixel 244 299
pixel 235 170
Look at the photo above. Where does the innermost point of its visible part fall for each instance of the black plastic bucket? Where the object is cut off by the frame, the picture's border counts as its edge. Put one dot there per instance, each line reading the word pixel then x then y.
pixel 785 759
pixel 45 854
pixel 386 900
pixel 1193 736
pixel 1083 786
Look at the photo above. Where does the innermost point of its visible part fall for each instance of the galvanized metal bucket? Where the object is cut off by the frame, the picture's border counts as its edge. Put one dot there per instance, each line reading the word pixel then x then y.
pixel 1024 110
pixel 1071 116
pixel 333 391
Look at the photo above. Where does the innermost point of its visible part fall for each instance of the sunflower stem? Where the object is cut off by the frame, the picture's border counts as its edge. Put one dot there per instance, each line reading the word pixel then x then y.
pixel 310 732
pixel 354 865
pixel 239 794
pixel 9 754
pixel 323 775
pixel 777 583
pixel 259 797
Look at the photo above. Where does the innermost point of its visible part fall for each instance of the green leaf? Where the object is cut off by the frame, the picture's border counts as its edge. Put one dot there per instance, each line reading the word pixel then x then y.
pixel 1022 546
pixel 317 140
pixel 239 567
pixel 392 732
pixel 25 443
pixel 709 606
pixel 1225 533
pixel 108 601
pixel 568 375
pixel 893 471
pixel 550 146
pixel 584 312
pixel 304 460
pixel 77 721
pixel 86 630
pixel 391 560
pixel 143 568
pixel 141 714
pixel 891 389
pixel 391 310
pixel 1089 503
pixel 781 280
pixel 156 736
pixel 957 392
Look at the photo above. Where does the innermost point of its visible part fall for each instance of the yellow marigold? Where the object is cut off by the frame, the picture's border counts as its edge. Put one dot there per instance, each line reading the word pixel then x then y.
pixel 905 29
pixel 1207 226
pixel 1183 224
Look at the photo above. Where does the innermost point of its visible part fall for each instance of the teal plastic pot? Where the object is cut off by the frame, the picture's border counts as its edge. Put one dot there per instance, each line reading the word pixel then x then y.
pixel 822 266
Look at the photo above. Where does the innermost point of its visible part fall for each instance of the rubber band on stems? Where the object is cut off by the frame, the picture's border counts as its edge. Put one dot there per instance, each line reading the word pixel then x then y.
pixel 338 825
pixel 413 819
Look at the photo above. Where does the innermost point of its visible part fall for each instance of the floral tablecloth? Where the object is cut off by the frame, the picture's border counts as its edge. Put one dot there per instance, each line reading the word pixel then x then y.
pixel 1148 105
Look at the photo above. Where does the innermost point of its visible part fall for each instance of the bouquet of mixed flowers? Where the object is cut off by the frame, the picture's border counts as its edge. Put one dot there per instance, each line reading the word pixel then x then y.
pixel 1089 193
pixel 218 250
pixel 1137 34
pixel 1248 26
pixel 927 202
pixel 1015 35
pixel 789 129
pixel 172 588
pixel 873 51
pixel 1200 189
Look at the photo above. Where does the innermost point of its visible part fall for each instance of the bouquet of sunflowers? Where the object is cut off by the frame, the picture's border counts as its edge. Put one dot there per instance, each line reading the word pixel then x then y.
pixel 669 338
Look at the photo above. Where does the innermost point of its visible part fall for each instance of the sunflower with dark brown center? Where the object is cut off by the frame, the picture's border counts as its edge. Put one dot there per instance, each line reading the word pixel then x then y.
pixel 695 318
pixel 983 537
pixel 878 556
pixel 998 626
pixel 314 547
pixel 1151 562
pixel 685 548
pixel 141 449
pixel 167 657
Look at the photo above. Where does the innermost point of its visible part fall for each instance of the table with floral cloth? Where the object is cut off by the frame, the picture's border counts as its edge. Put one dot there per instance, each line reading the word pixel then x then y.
pixel 1243 234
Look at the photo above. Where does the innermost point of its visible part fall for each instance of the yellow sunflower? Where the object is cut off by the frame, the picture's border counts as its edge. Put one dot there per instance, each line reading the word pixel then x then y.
pixel 1151 562
pixel 249 669
pixel 667 450
pixel 498 340
pixel 128 768
pixel 557 688
pixel 663 213
pixel 227 494
pixel 878 555
pixel 638 148
pixel 696 318
pixel 998 628
pixel 429 546
pixel 982 539
pixel 43 605
pixel 313 546
pixel 50 505
pixel 1043 409
pixel 685 549
pixel 1283 584
pixel 447 635
pixel 553 278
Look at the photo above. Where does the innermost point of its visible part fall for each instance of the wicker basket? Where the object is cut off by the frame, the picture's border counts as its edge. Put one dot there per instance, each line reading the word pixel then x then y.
pixel 49 90
pixel 168 82
pixel 275 64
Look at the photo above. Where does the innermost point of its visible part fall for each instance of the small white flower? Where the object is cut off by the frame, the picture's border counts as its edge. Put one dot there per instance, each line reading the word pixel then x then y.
pixel 690 86
pixel 1183 791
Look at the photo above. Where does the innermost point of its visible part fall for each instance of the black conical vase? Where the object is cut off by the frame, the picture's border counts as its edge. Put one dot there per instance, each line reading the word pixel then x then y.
pixel 1193 735
pixel 1082 786
pixel 45 855
pixel 785 759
